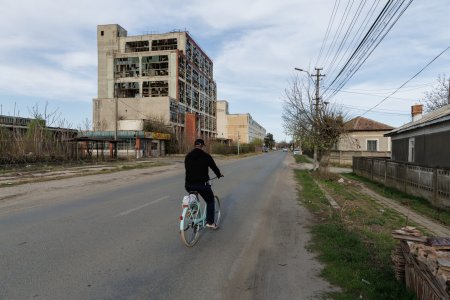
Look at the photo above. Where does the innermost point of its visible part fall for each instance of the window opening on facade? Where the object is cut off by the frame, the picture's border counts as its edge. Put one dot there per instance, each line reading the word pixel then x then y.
pixel 181 91
pixel 196 100
pixel 127 89
pixel 173 111
pixel 155 89
pixel 126 67
pixel 157 65
pixel 102 33
pixel 181 113
pixel 372 145
pixel 164 44
pixel 188 95
pixel 137 46
pixel 195 79
pixel 181 66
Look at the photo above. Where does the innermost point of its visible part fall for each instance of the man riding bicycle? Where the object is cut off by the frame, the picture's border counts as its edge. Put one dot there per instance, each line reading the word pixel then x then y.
pixel 196 164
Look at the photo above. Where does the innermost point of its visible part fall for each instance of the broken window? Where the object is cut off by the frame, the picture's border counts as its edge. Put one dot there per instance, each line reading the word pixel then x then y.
pixel 181 88
pixel 173 111
pixel 137 46
pixel 196 100
pixel 155 89
pixel 126 89
pixel 157 65
pixel 181 113
pixel 164 44
pixel 188 73
pixel 188 95
pixel 202 102
pixel 188 50
pixel 126 67
pixel 195 79
pixel 181 66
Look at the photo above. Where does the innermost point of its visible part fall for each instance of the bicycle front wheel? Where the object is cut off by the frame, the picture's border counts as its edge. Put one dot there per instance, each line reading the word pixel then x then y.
pixel 217 212
pixel 189 231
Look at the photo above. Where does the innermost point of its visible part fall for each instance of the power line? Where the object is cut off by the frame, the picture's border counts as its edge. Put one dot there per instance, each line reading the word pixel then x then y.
pixel 387 18
pixel 414 76
pixel 330 22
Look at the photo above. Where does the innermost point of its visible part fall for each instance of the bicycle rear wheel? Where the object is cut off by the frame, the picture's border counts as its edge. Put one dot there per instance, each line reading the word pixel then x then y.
pixel 189 231
pixel 217 211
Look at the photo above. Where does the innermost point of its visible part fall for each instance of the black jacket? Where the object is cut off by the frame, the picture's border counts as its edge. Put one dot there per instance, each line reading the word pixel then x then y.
pixel 196 163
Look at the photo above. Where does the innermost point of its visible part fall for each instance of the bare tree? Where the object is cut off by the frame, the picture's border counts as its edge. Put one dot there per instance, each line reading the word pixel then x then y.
pixel 439 94
pixel 318 126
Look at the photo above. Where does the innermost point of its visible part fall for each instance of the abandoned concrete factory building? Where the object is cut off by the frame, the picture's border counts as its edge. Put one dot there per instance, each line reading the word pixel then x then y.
pixel 154 76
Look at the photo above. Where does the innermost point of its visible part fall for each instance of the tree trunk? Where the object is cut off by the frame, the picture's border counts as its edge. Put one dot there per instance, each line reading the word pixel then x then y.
pixel 324 162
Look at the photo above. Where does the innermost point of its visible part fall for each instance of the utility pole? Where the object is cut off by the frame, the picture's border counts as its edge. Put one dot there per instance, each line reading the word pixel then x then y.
pixel 317 115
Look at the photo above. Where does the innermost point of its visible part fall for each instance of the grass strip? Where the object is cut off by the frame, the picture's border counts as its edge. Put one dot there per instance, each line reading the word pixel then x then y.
pixel 354 243
pixel 301 159
pixel 417 204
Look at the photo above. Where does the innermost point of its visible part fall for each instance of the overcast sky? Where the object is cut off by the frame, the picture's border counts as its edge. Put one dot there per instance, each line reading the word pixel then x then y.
pixel 48 54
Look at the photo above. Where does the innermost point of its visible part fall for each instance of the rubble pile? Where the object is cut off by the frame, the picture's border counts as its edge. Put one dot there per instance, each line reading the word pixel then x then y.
pixel 423 263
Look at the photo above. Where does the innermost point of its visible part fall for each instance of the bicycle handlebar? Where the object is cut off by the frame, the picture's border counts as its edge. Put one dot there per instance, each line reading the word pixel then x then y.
pixel 216 177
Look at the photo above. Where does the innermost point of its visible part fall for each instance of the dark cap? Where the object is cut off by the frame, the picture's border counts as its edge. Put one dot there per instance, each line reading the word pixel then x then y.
pixel 199 142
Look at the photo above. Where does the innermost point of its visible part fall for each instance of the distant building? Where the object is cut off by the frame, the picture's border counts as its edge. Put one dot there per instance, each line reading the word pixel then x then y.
pixel 154 76
pixel 19 124
pixel 237 127
pixel 425 140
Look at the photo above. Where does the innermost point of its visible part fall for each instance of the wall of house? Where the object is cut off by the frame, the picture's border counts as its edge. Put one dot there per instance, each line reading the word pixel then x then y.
pixel 357 141
pixel 399 149
pixel 431 146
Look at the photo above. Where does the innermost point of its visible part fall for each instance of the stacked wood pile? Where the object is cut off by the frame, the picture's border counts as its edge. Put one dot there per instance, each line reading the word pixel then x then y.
pixel 423 263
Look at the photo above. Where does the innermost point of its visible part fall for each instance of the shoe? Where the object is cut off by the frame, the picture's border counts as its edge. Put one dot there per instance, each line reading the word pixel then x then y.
pixel 212 226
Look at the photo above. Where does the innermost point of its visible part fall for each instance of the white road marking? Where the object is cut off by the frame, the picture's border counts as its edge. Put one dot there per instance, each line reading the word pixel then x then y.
pixel 142 206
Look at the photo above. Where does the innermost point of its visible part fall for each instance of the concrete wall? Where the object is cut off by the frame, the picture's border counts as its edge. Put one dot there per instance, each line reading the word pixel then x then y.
pixel 129 109
pixel 346 157
pixel 222 120
pixel 237 128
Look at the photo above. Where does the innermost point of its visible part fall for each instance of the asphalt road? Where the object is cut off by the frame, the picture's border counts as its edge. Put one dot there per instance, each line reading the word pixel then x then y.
pixel 115 236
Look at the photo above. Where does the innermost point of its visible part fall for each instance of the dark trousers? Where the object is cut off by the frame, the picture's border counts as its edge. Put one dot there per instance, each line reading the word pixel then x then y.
pixel 207 194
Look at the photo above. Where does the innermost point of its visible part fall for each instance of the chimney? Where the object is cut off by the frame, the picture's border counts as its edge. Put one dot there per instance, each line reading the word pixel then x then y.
pixel 416 112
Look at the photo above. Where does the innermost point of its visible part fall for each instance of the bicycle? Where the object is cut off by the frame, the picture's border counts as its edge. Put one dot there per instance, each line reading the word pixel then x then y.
pixel 193 217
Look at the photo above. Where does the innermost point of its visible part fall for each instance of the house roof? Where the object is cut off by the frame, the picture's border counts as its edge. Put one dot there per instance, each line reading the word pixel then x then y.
pixel 364 124
pixel 437 116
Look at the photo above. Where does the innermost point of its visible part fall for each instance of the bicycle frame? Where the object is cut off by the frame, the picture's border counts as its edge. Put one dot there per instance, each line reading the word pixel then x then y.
pixel 193 217
pixel 196 210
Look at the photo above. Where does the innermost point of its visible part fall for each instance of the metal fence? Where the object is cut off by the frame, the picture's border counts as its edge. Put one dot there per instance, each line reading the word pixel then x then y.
pixel 432 184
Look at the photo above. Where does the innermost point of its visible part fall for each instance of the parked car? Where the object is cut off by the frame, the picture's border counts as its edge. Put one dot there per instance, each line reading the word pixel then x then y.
pixel 285 149
pixel 297 152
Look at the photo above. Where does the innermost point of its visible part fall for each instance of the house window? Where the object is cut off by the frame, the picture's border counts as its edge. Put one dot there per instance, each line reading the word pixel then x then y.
pixel 102 33
pixel 411 150
pixel 372 145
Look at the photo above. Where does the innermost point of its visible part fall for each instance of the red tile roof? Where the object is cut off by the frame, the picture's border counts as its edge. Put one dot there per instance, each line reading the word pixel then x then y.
pixel 364 124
